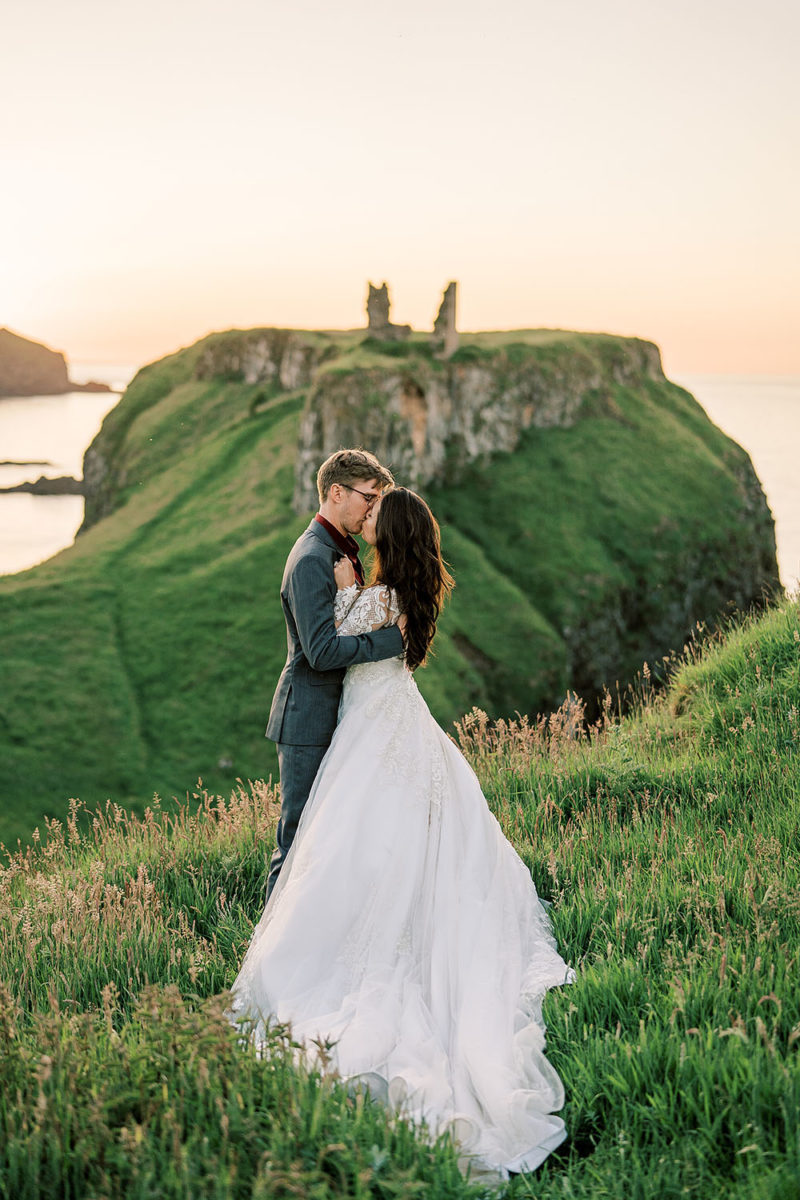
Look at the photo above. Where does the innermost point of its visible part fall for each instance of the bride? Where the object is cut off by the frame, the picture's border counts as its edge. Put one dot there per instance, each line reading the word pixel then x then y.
pixel 404 929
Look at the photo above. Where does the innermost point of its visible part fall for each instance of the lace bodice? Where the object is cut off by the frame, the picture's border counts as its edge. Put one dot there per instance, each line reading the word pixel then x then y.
pixel 360 610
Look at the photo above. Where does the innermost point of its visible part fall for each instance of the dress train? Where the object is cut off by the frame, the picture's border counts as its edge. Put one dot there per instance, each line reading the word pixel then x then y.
pixel 405 933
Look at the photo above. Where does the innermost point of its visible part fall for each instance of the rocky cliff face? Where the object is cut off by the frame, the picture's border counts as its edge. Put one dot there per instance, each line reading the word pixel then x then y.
pixel 283 357
pixel 430 419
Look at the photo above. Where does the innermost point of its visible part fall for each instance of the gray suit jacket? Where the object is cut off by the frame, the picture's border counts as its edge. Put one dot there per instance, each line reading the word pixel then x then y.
pixel 305 706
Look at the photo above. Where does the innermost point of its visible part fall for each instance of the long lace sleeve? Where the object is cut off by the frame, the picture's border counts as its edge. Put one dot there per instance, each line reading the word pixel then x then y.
pixel 343 602
pixel 372 609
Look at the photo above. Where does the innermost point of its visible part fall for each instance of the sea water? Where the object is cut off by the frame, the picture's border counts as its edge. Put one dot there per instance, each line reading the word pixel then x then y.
pixel 49 435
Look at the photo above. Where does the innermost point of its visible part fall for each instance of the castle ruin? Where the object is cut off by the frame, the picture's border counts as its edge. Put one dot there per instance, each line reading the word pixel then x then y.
pixel 378 324
pixel 445 335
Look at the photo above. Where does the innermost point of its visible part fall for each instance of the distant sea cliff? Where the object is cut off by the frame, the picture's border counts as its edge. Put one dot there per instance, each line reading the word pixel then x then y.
pixel 29 368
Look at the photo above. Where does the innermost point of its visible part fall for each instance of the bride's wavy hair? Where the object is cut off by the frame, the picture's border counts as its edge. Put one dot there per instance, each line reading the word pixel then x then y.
pixel 408 558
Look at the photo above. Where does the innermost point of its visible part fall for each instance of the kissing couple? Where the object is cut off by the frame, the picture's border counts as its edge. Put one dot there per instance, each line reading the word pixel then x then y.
pixel 401 928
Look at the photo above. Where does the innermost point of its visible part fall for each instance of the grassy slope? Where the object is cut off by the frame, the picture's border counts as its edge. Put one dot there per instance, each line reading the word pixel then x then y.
pixel 612 503
pixel 144 657
pixel 669 843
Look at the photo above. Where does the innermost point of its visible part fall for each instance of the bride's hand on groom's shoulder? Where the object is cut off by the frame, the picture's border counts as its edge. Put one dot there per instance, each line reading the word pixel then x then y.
pixel 401 624
pixel 343 573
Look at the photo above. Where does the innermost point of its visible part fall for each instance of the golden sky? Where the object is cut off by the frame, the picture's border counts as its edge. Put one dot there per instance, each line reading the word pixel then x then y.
pixel 170 168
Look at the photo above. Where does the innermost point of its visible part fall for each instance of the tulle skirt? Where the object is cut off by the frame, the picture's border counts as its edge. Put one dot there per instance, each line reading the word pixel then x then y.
pixel 405 933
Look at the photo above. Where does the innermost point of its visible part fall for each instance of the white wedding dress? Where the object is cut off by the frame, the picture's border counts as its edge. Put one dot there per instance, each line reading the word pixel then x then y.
pixel 405 929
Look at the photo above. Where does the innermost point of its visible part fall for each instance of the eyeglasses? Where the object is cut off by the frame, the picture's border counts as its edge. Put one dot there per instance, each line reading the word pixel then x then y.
pixel 370 497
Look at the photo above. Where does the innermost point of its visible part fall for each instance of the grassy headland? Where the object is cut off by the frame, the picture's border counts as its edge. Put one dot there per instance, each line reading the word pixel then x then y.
pixel 144 657
pixel 669 843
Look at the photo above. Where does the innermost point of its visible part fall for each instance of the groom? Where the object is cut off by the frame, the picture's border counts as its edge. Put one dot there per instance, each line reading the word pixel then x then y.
pixel 305 706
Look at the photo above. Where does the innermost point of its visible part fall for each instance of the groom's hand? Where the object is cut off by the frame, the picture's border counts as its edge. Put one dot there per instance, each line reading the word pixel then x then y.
pixel 343 573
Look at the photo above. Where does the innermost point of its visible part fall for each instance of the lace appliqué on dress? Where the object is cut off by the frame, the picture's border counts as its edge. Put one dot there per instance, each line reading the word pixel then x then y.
pixel 344 600
pixel 366 610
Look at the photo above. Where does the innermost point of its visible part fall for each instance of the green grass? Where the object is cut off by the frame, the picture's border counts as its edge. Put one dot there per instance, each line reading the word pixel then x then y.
pixel 669 844
pixel 144 657
pixel 609 545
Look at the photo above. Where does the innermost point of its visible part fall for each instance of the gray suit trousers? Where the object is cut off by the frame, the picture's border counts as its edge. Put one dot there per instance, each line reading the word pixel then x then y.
pixel 298 767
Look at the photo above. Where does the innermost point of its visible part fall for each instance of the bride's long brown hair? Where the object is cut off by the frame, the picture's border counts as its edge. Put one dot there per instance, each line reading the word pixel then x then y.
pixel 408 558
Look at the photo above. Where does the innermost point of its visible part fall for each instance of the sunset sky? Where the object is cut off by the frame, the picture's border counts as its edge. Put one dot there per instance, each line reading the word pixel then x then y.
pixel 170 168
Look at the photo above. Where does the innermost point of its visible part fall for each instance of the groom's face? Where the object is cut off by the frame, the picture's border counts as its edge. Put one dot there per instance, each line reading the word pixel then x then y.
pixel 357 500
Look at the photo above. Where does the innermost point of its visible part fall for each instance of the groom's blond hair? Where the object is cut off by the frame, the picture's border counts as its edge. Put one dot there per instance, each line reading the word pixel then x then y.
pixel 351 466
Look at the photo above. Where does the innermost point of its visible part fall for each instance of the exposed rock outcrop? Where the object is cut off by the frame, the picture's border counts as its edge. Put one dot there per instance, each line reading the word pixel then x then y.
pixel 286 358
pixel 91 386
pixel 31 369
pixel 428 420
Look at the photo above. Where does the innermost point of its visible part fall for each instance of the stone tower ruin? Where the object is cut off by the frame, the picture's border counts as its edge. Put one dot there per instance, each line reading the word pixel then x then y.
pixel 445 334
pixel 444 338
pixel 378 324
